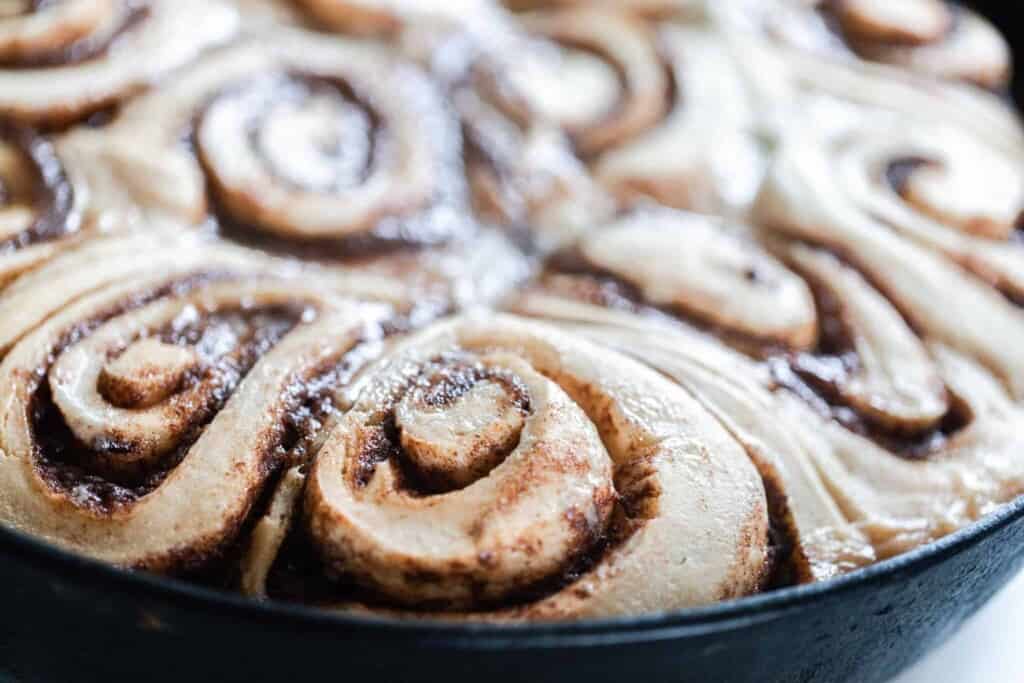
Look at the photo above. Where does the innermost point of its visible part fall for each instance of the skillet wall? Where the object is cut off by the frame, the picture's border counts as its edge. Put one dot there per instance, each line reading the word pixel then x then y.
pixel 66 619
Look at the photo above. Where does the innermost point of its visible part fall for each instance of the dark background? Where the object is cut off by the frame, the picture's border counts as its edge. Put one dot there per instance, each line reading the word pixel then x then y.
pixel 1004 14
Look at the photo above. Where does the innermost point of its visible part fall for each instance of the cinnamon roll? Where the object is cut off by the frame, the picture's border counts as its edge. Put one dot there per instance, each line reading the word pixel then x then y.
pixel 959 380
pixel 496 468
pixel 320 148
pixel 146 417
pixel 671 268
pixel 653 111
pixel 61 61
pixel 573 110
pixel 931 38
pixel 875 197
pixel 853 340
pixel 934 37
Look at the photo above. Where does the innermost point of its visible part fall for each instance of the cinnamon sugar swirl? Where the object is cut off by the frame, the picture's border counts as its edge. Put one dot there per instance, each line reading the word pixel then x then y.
pixel 60 61
pixel 38 205
pixel 295 143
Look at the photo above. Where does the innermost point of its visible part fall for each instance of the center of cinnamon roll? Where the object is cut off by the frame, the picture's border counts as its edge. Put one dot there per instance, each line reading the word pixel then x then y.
pixel 148 372
pixel 455 421
pixel 331 164
pixel 110 424
pixel 965 187
pixel 325 143
pixel 572 87
pixel 307 132
pixel 602 81
pixel 459 421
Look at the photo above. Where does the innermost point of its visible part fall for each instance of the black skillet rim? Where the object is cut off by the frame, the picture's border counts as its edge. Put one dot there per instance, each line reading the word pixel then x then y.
pixel 678 624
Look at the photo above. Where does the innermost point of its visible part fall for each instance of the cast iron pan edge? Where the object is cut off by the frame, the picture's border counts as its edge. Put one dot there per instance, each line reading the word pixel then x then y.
pixel 67 618
pixel 45 558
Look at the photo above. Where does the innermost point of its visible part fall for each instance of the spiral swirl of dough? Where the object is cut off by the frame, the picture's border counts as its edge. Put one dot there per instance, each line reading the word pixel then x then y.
pixel 328 149
pixel 144 419
pixel 490 462
pixel 657 111
pixel 64 60
pixel 855 343
pixel 931 37
pixel 39 208
pixel 872 194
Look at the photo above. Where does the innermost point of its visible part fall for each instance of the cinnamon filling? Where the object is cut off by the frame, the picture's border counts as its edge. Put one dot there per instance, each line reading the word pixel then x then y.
pixel 597 286
pixel 897 174
pixel 860 41
pixel 310 409
pixel 898 171
pixel 340 159
pixel 39 183
pixel 297 574
pixel 782 567
pixel 817 377
pixel 84 49
pixel 90 474
pixel 433 396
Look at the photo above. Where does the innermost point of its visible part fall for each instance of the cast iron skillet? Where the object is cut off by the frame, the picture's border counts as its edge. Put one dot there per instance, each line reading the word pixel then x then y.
pixel 65 618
